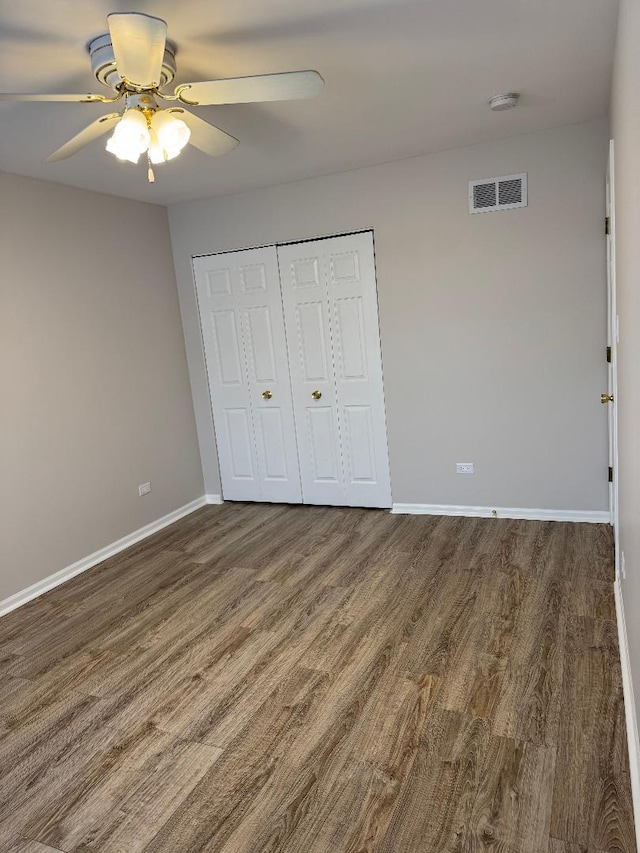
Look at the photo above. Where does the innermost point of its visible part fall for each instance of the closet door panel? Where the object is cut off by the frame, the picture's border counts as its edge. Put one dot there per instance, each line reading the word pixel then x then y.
pixel 226 346
pixel 325 463
pixel 271 433
pixel 231 405
pixel 260 343
pixel 352 293
pixel 331 314
pixel 244 342
pixel 238 432
pixel 258 288
pixel 311 335
pixel 358 438
pixel 309 346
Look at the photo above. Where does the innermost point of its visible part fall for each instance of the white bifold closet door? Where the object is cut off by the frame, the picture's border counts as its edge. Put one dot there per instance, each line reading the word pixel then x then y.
pixel 331 317
pixel 244 341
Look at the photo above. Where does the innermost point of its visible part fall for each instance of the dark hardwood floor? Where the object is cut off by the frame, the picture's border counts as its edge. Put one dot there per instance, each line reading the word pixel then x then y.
pixel 319 680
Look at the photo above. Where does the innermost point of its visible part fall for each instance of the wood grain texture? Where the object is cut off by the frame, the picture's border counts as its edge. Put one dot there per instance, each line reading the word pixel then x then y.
pixel 24 845
pixel 321 680
pixel 592 743
pixel 558 846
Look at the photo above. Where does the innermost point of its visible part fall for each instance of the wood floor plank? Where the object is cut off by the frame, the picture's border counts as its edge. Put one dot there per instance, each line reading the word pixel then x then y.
pixel 504 819
pixel 20 622
pixel 528 707
pixel 452 751
pixel 471 678
pixel 592 798
pixel 557 846
pixel 385 604
pixel 231 697
pixel 322 680
pixel 25 845
pixel 122 799
pixel 592 599
pixel 448 624
pixel 219 803
pixel 101 673
pixel 82 623
pixel 599 563
pixel 353 801
pixel 45 755
pixel 318 752
pixel 187 632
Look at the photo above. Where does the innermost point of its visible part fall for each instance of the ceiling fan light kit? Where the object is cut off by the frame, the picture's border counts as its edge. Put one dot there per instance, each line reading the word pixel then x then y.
pixel 144 128
pixel 136 60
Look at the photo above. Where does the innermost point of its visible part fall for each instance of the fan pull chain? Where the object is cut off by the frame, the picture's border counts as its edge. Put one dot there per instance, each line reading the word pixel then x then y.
pixel 150 176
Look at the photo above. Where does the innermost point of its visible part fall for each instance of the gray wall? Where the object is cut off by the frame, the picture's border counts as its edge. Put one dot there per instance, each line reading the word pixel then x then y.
pixel 93 377
pixel 625 127
pixel 493 326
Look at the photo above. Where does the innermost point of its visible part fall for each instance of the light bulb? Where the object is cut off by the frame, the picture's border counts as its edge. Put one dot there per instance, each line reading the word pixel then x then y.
pixel 113 147
pixel 156 151
pixel 130 137
pixel 171 132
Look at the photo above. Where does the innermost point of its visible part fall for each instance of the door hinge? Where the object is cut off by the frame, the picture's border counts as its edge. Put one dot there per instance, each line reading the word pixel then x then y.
pixel 607 225
pixel 608 355
pixel 610 474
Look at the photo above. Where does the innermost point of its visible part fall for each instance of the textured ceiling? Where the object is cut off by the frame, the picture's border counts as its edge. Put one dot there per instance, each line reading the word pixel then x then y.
pixel 402 78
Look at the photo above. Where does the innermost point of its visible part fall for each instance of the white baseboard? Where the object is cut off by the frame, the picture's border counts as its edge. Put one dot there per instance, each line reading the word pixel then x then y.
pixel 633 741
pixel 31 592
pixel 592 516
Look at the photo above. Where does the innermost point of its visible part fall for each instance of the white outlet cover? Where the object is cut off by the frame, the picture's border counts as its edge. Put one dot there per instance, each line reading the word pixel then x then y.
pixel 144 489
pixel 465 468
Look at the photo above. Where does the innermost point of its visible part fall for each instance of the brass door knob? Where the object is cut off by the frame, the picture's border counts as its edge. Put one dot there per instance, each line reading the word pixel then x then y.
pixel 316 395
pixel 267 395
pixel 606 398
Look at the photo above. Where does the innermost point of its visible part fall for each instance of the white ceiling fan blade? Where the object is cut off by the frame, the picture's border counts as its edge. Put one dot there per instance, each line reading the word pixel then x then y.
pixel 205 136
pixel 84 99
pixel 245 90
pixel 138 45
pixel 88 134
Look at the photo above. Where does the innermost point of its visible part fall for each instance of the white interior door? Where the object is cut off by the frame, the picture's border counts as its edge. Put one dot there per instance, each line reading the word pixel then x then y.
pixel 331 315
pixel 612 352
pixel 244 341
pixel 306 310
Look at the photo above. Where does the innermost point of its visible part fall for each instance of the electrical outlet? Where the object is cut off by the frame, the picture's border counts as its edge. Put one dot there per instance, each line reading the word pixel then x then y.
pixel 623 570
pixel 465 468
pixel 144 489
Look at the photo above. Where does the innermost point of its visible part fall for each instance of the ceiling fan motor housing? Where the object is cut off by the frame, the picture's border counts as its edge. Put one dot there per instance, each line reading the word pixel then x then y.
pixel 103 62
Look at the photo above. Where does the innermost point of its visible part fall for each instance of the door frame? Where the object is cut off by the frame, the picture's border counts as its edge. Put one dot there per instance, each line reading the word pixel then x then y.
pixel 612 342
pixel 289 243
pixel 276 244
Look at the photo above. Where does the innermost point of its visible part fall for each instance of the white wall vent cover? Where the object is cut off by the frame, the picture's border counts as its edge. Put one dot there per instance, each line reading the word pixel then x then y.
pixel 503 193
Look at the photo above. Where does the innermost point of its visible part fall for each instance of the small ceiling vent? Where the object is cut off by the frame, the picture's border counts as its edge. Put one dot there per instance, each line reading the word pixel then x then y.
pixel 503 193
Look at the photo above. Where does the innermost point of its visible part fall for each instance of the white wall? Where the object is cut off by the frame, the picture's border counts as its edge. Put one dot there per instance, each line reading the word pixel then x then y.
pixel 625 130
pixel 492 325
pixel 93 377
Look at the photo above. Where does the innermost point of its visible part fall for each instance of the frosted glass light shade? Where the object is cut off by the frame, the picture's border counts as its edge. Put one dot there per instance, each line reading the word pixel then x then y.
pixel 171 132
pixel 130 137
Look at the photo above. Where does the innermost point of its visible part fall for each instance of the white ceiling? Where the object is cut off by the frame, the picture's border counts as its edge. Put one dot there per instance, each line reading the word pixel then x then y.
pixel 403 77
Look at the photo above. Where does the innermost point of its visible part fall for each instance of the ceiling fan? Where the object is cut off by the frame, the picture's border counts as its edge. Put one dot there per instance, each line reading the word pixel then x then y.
pixel 137 61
